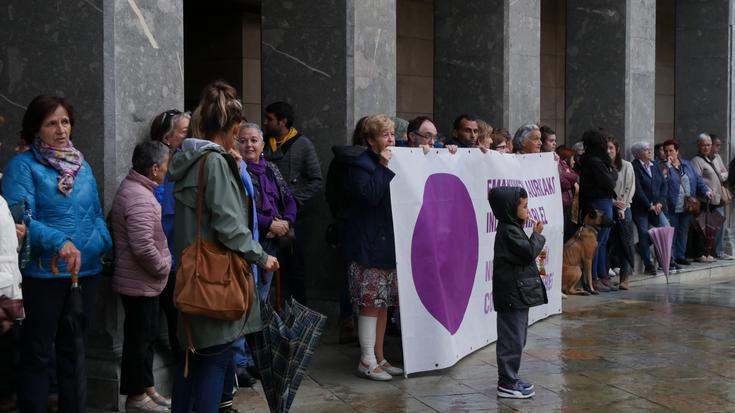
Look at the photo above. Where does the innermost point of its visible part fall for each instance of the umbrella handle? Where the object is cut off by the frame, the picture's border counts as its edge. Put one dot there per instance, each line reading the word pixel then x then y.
pixel 55 269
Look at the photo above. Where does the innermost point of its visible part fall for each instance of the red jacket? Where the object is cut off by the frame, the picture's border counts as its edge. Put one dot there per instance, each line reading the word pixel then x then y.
pixel 142 257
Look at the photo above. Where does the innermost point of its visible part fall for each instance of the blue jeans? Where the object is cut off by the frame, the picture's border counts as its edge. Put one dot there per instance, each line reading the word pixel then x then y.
pixel 642 221
pixel 599 262
pixel 680 221
pixel 203 389
pixel 241 353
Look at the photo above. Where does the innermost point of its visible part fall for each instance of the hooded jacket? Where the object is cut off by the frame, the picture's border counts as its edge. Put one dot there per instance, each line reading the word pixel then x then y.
pixel 224 219
pixel 516 282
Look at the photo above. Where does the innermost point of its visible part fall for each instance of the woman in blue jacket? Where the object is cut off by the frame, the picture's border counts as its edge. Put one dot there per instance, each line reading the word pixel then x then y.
pixel 684 182
pixel 369 246
pixel 64 220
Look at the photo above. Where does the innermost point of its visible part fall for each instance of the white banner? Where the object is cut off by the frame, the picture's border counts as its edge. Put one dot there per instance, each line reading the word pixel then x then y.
pixel 445 232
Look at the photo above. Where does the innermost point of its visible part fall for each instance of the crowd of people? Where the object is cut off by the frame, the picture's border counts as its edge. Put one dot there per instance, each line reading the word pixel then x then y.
pixel 215 176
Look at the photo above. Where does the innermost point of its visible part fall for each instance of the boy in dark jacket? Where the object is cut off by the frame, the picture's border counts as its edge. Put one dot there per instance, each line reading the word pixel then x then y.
pixel 516 284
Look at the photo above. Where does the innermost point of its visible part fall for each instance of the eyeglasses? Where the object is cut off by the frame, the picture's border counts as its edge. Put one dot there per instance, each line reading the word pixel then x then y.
pixel 427 137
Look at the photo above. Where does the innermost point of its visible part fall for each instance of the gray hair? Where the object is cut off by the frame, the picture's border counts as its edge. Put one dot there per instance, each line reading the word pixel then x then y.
pixel 522 134
pixel 703 137
pixel 579 146
pixel 147 154
pixel 637 148
pixel 251 125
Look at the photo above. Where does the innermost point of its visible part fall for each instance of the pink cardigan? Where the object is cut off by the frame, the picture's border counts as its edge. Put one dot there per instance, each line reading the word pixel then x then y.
pixel 142 258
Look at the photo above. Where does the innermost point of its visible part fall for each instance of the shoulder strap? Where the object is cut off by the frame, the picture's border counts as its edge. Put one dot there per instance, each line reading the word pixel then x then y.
pixel 200 195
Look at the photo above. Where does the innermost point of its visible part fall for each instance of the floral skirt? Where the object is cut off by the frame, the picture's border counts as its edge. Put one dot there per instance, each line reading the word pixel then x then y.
pixel 372 287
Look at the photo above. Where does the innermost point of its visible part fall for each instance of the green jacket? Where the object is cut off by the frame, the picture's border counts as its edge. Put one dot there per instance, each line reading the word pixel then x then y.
pixel 224 219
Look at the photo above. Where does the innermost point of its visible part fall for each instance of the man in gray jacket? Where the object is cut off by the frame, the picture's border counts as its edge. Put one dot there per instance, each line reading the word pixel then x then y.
pixel 296 158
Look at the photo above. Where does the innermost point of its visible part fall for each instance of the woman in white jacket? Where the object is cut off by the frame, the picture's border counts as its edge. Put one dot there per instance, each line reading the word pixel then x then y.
pixel 624 190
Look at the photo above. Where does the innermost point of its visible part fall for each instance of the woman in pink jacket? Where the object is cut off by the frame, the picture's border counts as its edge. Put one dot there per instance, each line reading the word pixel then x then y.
pixel 142 265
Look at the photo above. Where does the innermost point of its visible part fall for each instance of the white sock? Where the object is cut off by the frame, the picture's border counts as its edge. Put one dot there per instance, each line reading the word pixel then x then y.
pixel 366 327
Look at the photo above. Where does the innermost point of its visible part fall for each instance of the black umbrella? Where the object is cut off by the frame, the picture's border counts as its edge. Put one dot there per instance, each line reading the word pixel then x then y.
pixel 622 241
pixel 283 350
pixel 708 224
pixel 76 322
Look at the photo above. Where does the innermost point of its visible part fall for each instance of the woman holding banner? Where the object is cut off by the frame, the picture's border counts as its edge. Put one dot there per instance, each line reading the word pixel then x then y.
pixel 369 246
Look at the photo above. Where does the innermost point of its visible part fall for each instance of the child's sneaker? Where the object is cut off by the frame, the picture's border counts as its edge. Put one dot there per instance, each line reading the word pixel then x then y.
pixel 515 391
pixel 526 385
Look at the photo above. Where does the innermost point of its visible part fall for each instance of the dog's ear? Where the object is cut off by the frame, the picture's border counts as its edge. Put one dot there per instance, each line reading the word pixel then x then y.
pixel 593 214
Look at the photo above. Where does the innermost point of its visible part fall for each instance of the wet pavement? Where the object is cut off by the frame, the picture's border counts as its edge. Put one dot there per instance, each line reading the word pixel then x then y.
pixel 654 348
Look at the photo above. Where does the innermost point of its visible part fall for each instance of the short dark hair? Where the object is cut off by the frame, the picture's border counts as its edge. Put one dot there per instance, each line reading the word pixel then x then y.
pixel 358 135
pixel 618 161
pixel 657 146
pixel 594 142
pixel 40 107
pixel 148 153
pixel 457 122
pixel 670 142
pixel 281 110
pixel 713 136
pixel 415 124
pixel 546 131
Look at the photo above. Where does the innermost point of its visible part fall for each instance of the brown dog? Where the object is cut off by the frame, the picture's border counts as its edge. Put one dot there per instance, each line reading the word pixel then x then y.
pixel 579 252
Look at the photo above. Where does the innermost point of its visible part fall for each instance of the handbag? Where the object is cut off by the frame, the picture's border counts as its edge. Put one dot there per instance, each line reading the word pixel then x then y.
pixel 726 196
pixel 212 280
pixel 691 204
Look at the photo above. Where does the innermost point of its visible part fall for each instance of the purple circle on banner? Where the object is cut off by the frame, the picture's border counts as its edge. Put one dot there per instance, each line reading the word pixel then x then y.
pixel 444 250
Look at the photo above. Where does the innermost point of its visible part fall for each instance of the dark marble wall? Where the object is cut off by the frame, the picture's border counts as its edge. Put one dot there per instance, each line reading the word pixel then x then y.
pixel 595 67
pixel 703 61
pixel 468 61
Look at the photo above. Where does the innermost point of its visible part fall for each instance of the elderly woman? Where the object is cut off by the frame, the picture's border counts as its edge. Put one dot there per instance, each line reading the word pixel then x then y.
pixel 684 182
pixel 707 169
pixel 624 190
pixel 142 266
pixel 225 220
pixel 597 191
pixel 527 139
pixel 723 173
pixel 169 128
pixel 275 206
pixel 370 247
pixel 61 193
pixel 648 200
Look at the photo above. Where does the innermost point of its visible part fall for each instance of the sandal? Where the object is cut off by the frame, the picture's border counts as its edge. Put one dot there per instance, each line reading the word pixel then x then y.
pixel 392 370
pixel 369 372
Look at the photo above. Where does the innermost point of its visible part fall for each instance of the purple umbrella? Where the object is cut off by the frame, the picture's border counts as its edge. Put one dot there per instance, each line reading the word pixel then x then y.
pixel 662 238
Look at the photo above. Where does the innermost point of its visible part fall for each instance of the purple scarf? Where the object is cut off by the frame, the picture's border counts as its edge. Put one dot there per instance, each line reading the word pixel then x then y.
pixel 67 161
pixel 270 195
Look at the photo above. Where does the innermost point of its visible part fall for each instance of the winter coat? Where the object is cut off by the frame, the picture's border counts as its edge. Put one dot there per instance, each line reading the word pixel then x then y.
pixel 567 179
pixel 142 257
pixel 696 183
pixel 337 186
pixel 706 169
pixel 516 281
pixel 369 237
pixel 224 219
pixel 299 165
pixel 649 189
pixel 10 277
pixel 625 184
pixel 57 218
pixel 597 180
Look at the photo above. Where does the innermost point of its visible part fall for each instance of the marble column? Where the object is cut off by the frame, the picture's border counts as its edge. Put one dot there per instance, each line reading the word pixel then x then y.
pixel 487 61
pixel 610 68
pixel 119 64
pixel 334 61
pixel 704 61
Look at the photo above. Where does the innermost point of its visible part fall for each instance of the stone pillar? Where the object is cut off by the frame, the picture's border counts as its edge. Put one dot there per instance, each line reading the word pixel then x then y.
pixel 704 62
pixel 610 68
pixel 483 70
pixel 334 62
pixel 119 63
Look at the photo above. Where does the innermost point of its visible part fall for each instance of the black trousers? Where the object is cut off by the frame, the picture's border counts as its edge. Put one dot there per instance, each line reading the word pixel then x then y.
pixel 9 353
pixel 292 270
pixel 45 303
pixel 141 316
pixel 166 301
pixel 512 329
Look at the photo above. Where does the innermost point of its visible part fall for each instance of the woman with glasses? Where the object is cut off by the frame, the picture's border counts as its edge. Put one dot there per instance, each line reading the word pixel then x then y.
pixel 170 128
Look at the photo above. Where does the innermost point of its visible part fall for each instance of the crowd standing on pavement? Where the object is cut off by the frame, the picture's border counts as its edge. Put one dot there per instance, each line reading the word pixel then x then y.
pixel 213 175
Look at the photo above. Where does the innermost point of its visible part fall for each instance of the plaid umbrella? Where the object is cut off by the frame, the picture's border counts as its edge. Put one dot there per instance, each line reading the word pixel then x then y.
pixel 283 350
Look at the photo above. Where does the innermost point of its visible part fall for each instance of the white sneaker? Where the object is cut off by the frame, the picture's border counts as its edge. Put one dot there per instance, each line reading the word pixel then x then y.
pixel 147 405
pixel 368 372
pixel 725 257
pixel 392 370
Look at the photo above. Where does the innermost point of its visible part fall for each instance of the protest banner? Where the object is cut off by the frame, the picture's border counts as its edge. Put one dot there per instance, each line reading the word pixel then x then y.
pixel 445 232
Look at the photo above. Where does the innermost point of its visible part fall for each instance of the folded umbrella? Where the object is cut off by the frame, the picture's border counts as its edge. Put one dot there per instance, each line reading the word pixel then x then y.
pixel 662 239
pixel 283 350
pixel 708 224
pixel 622 241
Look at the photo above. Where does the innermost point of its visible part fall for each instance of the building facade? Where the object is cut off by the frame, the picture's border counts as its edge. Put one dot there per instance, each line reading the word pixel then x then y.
pixel 643 70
